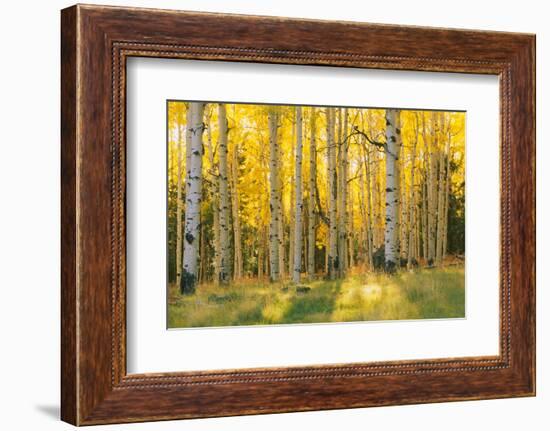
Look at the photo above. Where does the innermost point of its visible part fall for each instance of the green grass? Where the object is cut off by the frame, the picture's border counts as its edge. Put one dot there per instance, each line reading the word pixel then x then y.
pixel 420 294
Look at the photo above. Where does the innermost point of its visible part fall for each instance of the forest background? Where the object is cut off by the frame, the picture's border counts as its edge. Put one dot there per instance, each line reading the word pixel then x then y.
pixel 285 214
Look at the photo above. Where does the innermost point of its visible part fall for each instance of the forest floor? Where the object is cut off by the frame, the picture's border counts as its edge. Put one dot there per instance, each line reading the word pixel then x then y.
pixel 418 294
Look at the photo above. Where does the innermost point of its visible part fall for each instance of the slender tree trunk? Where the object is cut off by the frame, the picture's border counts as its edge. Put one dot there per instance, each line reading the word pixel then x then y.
pixel 439 215
pixel 412 200
pixel 188 135
pixel 225 250
pixel 274 197
pixel 419 215
pixel 305 231
pixel 344 256
pixel 260 253
pixel 432 187
pixel 339 176
pixel 350 230
pixel 281 222
pixel 281 211
pixel 291 212
pixel 193 196
pixel 179 205
pixel 425 217
pixel 342 192
pixel 298 205
pixel 441 195
pixel 214 191
pixel 172 231
pixel 368 209
pixel 305 227
pixel 371 182
pixel 403 207
pixel 237 243
pixel 202 255
pixel 379 213
pixel 364 224
pixel 311 200
pixel 391 233
pixel 332 261
pixel 447 191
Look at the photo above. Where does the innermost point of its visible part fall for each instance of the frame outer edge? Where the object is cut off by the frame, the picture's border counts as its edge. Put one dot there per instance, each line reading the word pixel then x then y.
pixel 69 211
pixel 531 82
pixel 533 55
pixel 523 218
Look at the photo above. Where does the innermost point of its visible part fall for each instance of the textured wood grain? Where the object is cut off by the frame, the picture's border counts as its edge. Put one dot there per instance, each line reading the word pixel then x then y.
pixel 96 41
pixel 69 397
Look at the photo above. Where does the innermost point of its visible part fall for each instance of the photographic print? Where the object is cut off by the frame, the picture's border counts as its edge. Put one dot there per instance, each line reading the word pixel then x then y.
pixel 283 214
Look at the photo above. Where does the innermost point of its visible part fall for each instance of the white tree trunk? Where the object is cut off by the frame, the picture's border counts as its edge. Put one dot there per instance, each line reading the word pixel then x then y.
pixel 274 197
pixel 332 196
pixel 431 189
pixel 440 195
pixel 391 234
pixel 378 212
pixel 447 191
pixel 364 224
pixel 403 208
pixel 238 252
pixel 214 191
pixel 369 210
pixel 311 201
pixel 179 204
pixel 281 209
pixel 261 251
pixel 368 198
pixel 298 206
pixel 188 136
pixel 412 218
pixel 291 212
pixel 342 192
pixel 351 231
pixel 193 197
pixel 225 250
pixel 425 214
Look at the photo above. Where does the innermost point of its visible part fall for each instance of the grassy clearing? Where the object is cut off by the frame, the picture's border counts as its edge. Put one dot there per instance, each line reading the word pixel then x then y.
pixel 421 294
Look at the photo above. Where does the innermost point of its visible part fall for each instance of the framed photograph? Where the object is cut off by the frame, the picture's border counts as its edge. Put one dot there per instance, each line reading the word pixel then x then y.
pixel 266 215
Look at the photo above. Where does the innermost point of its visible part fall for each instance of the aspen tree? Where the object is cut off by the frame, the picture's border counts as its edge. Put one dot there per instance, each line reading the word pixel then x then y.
pixel 368 209
pixel 440 195
pixel 425 217
pixel 179 204
pixel 432 190
pixel 193 198
pixel 215 187
pixel 225 250
pixel 332 256
pixel 447 190
pixel 298 204
pixel 342 190
pixel 364 225
pixel 274 196
pixel 281 206
pixel 237 242
pixel 412 224
pixel 291 213
pixel 350 229
pixel 311 200
pixel 391 236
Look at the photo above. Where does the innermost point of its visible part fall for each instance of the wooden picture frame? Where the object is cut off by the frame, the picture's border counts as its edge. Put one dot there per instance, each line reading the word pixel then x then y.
pixel 95 43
